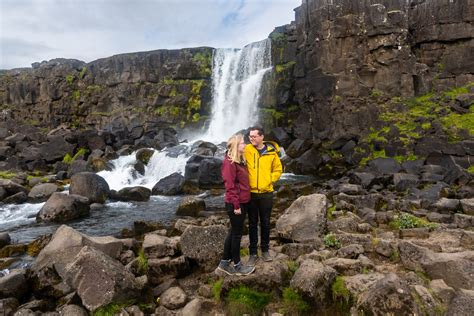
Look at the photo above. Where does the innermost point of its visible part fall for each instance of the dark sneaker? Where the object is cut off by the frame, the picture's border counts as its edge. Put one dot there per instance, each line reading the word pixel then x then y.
pixel 252 260
pixel 240 269
pixel 226 267
pixel 266 256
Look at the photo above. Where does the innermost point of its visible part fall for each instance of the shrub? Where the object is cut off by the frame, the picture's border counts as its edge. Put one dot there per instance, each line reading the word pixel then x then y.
pixel 331 241
pixel 406 221
pixel 142 261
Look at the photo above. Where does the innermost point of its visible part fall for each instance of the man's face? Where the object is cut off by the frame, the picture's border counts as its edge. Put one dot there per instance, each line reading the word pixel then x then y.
pixel 255 138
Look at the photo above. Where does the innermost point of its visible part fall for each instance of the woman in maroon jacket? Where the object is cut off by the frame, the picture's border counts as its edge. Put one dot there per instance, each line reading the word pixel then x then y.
pixel 237 196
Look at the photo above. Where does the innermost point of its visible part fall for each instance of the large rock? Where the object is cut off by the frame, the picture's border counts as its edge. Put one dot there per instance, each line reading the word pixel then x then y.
pixel 173 298
pixel 42 192
pixel 305 219
pixel 4 239
pixel 157 246
pixel 167 267
pixel 48 270
pixel 204 171
pixel 384 165
pixel 12 187
pixel 16 198
pixel 90 185
pixel 99 280
pixel 169 185
pixel 132 194
pixel 456 269
pixel 313 280
pixel 210 241
pixel 403 181
pixel 61 208
pixel 468 206
pixel 390 295
pixel 462 304
pixel 191 206
pixel 14 284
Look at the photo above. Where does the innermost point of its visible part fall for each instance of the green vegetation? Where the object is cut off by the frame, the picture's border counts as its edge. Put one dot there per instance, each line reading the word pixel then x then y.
pixel 70 79
pixel 83 72
pixel 204 60
pixel 375 93
pixel 94 88
pixel 278 37
pixel 68 159
pixel 170 110
pixel 375 135
pixel 331 209
pixel 76 95
pixel 244 252
pixel 283 67
pixel 406 221
pixel 216 288
pixel 243 300
pixel 111 309
pixel 292 266
pixel 293 303
pixel 196 117
pixel 7 175
pixel 471 169
pixel 331 241
pixel 395 256
pixel 272 117
pixel 340 293
pixel 142 261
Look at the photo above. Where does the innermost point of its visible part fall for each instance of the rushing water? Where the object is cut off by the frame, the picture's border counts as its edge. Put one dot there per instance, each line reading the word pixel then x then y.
pixel 236 85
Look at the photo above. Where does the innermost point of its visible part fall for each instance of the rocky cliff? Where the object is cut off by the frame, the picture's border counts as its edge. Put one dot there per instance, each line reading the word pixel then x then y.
pixel 378 77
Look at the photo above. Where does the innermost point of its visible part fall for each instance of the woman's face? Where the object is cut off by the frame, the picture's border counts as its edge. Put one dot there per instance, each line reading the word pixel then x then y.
pixel 241 146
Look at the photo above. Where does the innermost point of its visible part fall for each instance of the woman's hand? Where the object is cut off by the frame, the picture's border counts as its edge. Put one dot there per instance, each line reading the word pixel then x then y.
pixel 237 211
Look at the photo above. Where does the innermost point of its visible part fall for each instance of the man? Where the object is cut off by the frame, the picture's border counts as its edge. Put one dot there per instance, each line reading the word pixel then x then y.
pixel 264 167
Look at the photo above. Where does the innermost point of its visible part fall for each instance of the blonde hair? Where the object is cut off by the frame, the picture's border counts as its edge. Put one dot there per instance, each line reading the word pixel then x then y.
pixel 233 148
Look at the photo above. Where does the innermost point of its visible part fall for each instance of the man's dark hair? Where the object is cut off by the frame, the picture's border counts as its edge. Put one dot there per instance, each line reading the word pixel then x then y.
pixel 257 128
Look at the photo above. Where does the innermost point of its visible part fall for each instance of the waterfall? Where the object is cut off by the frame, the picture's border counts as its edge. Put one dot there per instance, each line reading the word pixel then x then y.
pixel 237 79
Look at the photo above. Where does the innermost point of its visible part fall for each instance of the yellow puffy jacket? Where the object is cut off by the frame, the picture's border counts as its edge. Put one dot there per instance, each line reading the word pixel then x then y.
pixel 263 169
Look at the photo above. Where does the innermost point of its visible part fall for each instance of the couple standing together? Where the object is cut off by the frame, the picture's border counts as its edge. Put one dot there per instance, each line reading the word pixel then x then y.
pixel 249 172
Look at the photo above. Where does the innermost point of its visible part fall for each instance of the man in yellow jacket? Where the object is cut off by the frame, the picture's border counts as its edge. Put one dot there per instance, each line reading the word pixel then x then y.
pixel 264 167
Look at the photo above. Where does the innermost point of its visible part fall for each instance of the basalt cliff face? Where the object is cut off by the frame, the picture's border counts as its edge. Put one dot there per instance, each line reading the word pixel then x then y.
pixel 377 77
pixel 164 87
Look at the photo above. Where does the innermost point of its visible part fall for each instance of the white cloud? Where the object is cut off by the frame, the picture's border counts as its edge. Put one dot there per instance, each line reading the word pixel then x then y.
pixel 33 30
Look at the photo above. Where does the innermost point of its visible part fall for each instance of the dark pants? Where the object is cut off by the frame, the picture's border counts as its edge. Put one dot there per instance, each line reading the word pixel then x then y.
pixel 260 208
pixel 232 241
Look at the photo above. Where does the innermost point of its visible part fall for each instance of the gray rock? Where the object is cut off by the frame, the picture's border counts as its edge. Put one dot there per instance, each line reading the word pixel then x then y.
pixel 210 240
pixel 446 206
pixel 462 303
pixel 467 206
pixel 42 192
pixel 157 246
pixel 305 219
pixel 351 189
pixel 90 185
pixel 463 221
pixel 191 206
pixel 350 251
pixel 167 267
pixel 173 298
pixel 384 165
pixel 403 181
pixel 442 290
pixel 115 284
pixel 314 280
pixel 61 208
pixel 132 194
pixel 439 218
pixel 16 198
pixel 14 285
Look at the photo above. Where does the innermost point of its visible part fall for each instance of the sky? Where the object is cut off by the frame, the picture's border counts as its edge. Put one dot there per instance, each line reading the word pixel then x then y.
pixel 37 30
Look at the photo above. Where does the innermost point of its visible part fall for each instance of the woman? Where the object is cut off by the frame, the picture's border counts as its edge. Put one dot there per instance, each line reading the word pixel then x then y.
pixel 237 197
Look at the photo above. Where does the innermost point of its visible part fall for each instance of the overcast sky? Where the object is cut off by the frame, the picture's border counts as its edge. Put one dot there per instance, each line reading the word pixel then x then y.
pixel 37 30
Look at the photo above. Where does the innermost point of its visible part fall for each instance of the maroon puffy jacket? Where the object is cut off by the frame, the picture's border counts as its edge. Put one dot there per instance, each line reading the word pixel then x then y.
pixel 236 181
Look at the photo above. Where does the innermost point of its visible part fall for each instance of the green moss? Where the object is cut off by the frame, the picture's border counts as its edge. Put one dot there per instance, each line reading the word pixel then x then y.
pixel 453 93
pixel 204 60
pixel 293 303
pixel 375 93
pixel 272 117
pixel 331 209
pixel 76 95
pixel 459 121
pixel 70 79
pixel 278 37
pixel 292 266
pixel 283 67
pixel 406 221
pixel 244 300
pixel 340 294
pixel 216 289
pixel 375 135
pixel 395 256
pixel 423 276
pixel 244 252
pixel 111 309
pixel 83 72
pixel 471 169
pixel 426 126
pixel 170 110
pixel 7 175
pixel 69 159
pixel 331 241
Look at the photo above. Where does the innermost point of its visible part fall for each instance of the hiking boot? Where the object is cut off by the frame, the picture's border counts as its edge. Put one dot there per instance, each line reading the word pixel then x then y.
pixel 252 260
pixel 266 256
pixel 226 267
pixel 240 269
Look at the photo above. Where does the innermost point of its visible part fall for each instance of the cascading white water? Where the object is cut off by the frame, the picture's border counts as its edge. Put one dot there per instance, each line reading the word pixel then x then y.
pixel 237 80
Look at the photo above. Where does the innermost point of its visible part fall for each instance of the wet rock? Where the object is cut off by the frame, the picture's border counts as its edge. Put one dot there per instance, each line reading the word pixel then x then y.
pixel 137 193
pixel 313 280
pixel 14 285
pixel 144 155
pixel 191 206
pixel 298 147
pixel 173 298
pixel 169 185
pixel 156 246
pixel 374 301
pixel 203 148
pixel 61 208
pixel 305 219
pixel 91 265
pixel 210 241
pixel 4 239
pixel 16 198
pixel 90 185
pixel 42 192
pixel 78 166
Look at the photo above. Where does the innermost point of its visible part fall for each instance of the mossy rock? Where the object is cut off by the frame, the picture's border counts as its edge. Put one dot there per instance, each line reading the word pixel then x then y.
pixel 144 155
pixel 11 250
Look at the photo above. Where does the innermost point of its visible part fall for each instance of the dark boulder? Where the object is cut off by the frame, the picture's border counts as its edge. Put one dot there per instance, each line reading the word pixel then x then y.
pixel 16 198
pixel 42 192
pixel 298 147
pixel 133 194
pixel 144 155
pixel 204 171
pixel 90 185
pixel 384 165
pixel 61 208
pixel 203 148
pixel 169 185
